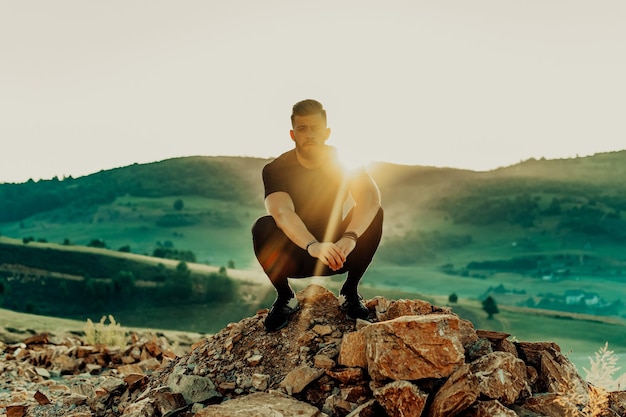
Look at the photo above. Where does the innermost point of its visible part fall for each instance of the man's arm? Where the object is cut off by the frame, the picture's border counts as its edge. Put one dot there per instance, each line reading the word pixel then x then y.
pixel 366 196
pixel 280 206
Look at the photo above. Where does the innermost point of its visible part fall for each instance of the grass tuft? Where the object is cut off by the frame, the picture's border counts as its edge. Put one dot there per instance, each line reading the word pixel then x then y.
pixel 103 334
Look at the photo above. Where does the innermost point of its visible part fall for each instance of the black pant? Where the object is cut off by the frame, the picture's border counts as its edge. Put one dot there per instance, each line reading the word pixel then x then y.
pixel 281 259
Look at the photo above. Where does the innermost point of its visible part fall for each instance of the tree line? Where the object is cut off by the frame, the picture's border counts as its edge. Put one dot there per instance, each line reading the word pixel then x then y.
pixel 181 176
pixel 40 293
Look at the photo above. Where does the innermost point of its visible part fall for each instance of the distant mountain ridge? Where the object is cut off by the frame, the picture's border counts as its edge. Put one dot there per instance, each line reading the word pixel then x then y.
pixel 238 179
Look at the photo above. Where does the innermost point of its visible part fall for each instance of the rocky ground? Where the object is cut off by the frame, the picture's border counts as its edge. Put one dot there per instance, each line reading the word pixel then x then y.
pixel 413 359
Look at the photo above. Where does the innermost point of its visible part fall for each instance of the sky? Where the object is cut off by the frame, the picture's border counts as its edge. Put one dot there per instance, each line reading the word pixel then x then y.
pixel 91 85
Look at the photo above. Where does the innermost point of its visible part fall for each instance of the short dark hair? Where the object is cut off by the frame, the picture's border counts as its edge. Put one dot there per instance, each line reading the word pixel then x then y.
pixel 307 108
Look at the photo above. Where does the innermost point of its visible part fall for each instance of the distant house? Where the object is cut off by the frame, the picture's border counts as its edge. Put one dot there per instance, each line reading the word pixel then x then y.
pixel 574 296
pixel 579 296
pixel 592 299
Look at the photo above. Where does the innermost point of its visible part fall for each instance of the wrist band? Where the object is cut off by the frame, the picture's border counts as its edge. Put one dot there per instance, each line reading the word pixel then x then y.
pixel 351 235
pixel 313 242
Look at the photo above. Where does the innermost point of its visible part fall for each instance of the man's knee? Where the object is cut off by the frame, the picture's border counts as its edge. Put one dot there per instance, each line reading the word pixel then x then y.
pixel 263 226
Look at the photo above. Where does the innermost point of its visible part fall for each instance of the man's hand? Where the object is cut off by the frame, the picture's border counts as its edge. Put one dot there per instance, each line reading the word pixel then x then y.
pixel 331 254
pixel 346 245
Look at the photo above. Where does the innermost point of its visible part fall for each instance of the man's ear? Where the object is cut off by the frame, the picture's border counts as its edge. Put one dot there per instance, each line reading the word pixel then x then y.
pixel 293 135
pixel 327 134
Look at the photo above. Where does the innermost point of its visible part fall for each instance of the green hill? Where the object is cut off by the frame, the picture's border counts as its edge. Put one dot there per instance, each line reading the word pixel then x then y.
pixel 530 235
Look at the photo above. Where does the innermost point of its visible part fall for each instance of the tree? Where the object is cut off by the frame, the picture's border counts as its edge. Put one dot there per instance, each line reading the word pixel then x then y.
pixel 179 204
pixel 453 298
pixel 124 283
pixel 169 253
pixel 179 286
pixel 490 307
pixel 97 243
pixel 89 289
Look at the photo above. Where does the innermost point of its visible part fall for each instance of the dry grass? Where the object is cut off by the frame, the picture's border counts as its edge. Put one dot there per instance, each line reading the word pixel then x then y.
pixel 603 377
pixel 110 334
pixel 603 372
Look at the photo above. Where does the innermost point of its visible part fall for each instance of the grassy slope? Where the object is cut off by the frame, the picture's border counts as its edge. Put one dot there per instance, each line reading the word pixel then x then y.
pixel 15 327
pixel 132 221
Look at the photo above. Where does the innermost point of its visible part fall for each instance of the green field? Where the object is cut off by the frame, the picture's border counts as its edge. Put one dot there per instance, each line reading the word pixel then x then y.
pixel 220 235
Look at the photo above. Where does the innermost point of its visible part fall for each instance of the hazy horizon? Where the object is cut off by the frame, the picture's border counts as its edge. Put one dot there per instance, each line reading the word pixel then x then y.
pixel 61 177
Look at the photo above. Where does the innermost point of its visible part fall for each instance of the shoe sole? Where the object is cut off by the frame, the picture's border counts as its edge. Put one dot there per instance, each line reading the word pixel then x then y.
pixel 351 317
pixel 356 318
pixel 285 323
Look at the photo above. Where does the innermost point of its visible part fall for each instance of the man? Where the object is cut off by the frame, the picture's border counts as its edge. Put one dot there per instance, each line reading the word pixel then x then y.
pixel 306 233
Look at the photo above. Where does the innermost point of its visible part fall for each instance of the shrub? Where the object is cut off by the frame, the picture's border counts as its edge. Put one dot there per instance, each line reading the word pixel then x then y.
pixel 603 372
pixel 102 334
pixel 124 283
pixel 125 248
pixel 97 243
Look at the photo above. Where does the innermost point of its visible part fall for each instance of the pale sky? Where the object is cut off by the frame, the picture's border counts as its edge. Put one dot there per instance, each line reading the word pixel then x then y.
pixel 91 85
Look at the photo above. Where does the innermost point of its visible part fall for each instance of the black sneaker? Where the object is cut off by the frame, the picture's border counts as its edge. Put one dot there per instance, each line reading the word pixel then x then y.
pixel 354 307
pixel 279 314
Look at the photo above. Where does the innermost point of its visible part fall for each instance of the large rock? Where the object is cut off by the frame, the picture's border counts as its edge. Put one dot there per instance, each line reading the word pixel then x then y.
pixel 491 408
pixel 458 392
pixel 501 376
pixel 401 399
pixel 352 353
pixel 261 404
pixel 299 378
pixel 413 347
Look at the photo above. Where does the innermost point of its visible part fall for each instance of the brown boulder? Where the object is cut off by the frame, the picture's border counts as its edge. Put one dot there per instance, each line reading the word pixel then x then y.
pixel 459 392
pixel 261 404
pixel 413 347
pixel 501 376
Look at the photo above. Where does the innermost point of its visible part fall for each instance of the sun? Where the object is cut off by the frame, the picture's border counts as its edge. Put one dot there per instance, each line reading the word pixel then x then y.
pixel 354 159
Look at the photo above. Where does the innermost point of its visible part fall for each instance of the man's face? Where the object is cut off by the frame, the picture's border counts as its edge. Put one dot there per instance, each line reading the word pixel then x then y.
pixel 310 134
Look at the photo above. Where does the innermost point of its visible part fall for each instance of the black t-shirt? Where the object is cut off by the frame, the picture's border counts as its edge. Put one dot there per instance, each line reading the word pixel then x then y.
pixel 318 194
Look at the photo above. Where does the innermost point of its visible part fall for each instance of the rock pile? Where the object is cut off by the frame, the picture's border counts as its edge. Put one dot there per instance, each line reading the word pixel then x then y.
pixel 47 375
pixel 414 359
